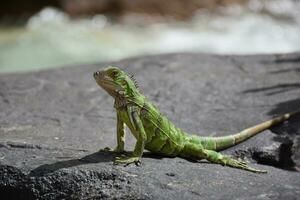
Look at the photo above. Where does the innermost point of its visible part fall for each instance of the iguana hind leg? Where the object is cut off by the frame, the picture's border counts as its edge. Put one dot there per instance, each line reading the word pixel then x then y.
pixel 198 152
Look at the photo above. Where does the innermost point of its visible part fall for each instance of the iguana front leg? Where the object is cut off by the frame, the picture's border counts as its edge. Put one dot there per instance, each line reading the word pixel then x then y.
pixel 140 143
pixel 120 137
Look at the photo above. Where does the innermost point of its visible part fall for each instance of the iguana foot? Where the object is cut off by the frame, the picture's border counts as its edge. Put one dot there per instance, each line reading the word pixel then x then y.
pixel 238 164
pixel 128 160
pixel 115 150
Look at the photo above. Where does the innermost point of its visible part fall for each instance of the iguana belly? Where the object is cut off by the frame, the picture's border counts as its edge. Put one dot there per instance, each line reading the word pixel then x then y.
pixel 162 135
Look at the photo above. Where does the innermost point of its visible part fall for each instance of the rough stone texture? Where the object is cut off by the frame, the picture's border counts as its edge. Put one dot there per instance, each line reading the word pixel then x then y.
pixel 52 123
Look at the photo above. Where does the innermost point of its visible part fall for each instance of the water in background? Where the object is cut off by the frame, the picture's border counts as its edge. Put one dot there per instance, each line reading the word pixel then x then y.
pixel 52 39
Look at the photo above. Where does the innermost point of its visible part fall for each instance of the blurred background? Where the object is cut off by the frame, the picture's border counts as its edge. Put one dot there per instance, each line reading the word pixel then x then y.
pixel 45 34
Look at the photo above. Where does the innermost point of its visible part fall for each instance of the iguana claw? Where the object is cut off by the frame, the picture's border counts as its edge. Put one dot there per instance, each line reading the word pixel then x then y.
pixel 239 164
pixel 127 160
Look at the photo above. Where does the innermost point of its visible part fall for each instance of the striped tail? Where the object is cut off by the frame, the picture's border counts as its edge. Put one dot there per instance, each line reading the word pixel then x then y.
pixel 220 143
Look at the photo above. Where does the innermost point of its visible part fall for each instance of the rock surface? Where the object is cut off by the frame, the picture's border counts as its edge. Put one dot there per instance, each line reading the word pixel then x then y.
pixel 52 124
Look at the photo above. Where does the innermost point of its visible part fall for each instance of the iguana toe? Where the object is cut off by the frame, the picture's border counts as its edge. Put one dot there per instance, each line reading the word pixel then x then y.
pixel 127 160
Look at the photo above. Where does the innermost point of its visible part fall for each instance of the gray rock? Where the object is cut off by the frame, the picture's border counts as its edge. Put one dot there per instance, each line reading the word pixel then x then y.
pixel 52 124
pixel 296 153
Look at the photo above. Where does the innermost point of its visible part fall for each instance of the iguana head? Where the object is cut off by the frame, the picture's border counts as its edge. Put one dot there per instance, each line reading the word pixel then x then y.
pixel 116 82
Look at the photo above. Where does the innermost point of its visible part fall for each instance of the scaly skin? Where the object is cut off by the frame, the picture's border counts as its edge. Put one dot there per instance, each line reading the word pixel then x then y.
pixel 154 132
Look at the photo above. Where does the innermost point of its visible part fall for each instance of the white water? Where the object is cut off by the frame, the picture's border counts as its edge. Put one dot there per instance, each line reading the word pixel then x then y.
pixel 52 39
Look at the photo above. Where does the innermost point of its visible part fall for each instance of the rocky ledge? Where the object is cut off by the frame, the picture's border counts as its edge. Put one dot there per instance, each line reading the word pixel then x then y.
pixel 52 124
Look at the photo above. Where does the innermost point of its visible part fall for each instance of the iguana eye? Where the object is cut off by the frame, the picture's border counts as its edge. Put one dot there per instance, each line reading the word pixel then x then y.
pixel 114 74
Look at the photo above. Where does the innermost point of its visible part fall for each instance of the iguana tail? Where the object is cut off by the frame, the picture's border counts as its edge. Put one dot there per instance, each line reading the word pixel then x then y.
pixel 220 143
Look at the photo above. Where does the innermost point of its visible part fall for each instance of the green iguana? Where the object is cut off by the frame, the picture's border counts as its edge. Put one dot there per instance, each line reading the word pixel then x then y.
pixel 154 132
